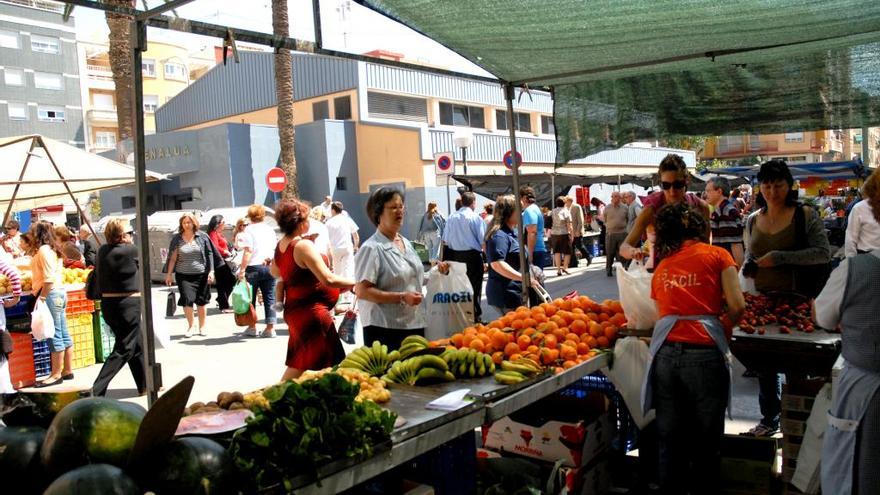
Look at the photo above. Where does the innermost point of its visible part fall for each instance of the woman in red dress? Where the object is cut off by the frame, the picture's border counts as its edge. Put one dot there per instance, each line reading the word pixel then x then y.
pixel 309 294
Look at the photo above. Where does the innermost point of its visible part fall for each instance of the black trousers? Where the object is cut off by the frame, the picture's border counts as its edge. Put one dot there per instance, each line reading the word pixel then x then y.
pixel 225 282
pixel 578 244
pixel 473 260
pixel 123 316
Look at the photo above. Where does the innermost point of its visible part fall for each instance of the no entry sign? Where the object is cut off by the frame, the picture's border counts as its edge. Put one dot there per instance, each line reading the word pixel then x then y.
pixel 276 179
pixel 508 161
pixel 444 163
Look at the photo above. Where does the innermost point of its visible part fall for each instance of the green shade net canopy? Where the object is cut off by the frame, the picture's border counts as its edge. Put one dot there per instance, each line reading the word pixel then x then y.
pixel 629 70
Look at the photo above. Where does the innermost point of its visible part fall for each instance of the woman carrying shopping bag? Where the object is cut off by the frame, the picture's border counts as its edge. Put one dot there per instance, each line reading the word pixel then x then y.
pixel 47 277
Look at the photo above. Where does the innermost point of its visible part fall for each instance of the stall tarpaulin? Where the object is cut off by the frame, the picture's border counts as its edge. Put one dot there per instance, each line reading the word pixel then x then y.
pixel 851 169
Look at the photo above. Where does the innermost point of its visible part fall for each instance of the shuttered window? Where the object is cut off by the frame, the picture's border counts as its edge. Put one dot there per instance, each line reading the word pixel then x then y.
pixel 385 106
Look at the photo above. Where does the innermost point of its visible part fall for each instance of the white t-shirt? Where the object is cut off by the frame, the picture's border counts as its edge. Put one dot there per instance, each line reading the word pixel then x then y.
pixel 340 228
pixel 261 240
pixel 322 242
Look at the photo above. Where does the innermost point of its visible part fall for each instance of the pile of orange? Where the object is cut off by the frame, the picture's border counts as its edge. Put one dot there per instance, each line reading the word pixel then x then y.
pixel 558 334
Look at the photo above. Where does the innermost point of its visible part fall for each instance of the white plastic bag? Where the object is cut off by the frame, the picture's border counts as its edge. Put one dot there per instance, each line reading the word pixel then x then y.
pixel 42 324
pixel 634 286
pixel 449 304
pixel 627 372
pixel 747 284
pixel 160 327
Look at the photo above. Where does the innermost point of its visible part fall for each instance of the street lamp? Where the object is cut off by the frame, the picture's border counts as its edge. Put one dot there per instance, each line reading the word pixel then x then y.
pixel 463 139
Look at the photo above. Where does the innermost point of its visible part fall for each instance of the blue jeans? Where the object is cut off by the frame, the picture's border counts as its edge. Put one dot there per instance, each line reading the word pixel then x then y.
pixel 770 398
pixel 690 387
pixel 56 300
pixel 260 278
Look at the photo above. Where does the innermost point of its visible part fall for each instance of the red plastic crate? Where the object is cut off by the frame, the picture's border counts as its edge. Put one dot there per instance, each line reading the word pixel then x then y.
pixel 78 304
pixel 21 361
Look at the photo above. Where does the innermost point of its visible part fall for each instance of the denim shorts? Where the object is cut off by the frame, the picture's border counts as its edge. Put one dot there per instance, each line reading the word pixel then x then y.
pixel 57 303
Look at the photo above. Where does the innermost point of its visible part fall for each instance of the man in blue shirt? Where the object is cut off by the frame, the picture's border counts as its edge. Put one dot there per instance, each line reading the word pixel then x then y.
pixel 533 225
pixel 463 242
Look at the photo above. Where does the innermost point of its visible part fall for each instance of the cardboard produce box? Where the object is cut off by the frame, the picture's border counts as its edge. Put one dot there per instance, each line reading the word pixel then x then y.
pixel 747 465
pixel 572 430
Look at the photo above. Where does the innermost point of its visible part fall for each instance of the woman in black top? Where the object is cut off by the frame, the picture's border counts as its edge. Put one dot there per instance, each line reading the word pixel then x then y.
pixel 117 272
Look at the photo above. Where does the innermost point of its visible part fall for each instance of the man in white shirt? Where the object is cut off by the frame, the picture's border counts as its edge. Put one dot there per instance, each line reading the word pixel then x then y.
pixel 326 208
pixel 463 242
pixel 862 230
pixel 344 240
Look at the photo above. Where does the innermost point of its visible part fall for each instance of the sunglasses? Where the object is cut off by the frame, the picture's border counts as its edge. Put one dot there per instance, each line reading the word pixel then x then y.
pixel 679 184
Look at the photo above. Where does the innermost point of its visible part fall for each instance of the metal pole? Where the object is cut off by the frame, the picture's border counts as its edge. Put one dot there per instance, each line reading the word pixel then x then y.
pixel 24 167
pixel 866 147
pixel 67 187
pixel 520 237
pixel 553 187
pixel 464 158
pixel 153 369
pixel 448 198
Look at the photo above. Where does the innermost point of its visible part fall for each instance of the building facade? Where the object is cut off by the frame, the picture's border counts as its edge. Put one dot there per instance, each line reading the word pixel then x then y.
pixel 41 92
pixel 794 147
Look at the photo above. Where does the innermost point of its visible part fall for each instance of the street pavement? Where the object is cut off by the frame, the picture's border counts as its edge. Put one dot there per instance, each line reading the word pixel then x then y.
pixel 225 361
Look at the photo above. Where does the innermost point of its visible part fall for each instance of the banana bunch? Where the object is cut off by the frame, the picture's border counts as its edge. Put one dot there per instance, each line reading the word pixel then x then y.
pixel 419 369
pixel 374 360
pixel 412 344
pixel 513 372
pixel 468 363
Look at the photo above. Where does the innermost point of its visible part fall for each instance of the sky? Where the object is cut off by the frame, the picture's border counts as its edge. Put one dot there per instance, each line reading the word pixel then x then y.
pixel 346 26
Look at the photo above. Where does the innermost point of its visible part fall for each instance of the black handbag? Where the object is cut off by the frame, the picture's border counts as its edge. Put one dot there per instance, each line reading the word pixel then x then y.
pixel 6 343
pixel 809 280
pixel 93 292
pixel 171 305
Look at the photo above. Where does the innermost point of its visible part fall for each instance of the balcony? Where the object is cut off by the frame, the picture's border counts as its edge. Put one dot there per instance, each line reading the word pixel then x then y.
pixel 491 147
pixel 744 148
pixel 102 115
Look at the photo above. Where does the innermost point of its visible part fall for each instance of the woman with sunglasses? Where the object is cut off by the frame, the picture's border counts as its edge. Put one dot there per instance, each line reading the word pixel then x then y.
pixel 674 179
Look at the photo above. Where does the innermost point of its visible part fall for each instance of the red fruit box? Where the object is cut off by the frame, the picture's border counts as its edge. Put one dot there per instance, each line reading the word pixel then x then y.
pixel 21 361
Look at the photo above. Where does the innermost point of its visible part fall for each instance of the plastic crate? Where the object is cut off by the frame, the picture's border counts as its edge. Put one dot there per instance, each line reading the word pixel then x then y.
pixel 42 357
pixel 627 431
pixel 78 304
pixel 104 339
pixel 19 324
pixel 80 328
pixel 20 309
pixel 21 361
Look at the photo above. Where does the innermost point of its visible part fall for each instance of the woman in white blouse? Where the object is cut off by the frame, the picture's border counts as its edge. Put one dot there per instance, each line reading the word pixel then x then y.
pixel 863 226
pixel 389 275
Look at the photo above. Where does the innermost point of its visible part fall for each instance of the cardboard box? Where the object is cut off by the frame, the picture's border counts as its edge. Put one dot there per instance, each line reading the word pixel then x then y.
pixel 797 403
pixel 793 427
pixel 790 450
pixel 747 464
pixel 487 454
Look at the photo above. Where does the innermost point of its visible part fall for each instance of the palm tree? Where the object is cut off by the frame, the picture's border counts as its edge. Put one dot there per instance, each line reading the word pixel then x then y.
pixel 284 95
pixel 120 65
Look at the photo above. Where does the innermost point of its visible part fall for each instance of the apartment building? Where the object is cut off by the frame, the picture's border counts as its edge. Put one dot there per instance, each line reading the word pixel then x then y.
pixel 794 147
pixel 40 75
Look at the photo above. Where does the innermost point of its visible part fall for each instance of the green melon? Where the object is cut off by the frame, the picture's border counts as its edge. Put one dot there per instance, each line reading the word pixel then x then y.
pixel 191 466
pixel 20 458
pixel 94 479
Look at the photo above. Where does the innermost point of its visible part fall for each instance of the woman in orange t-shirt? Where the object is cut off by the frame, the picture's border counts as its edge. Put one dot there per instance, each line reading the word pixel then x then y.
pixel 688 380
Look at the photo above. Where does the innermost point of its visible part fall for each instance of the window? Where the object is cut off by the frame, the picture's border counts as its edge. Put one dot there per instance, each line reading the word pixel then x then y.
pixel 50 114
pixel 342 108
pixel 103 101
pixel 341 184
pixel 45 44
pixel 9 39
pixel 128 202
pixel 320 110
pixel 798 159
pixel 105 139
pixel 175 71
pixel 385 106
pixel 461 115
pixel 13 77
pixel 17 111
pixel 148 67
pixel 522 121
pixel 547 125
pixel 47 80
pixel 794 137
pixel 151 103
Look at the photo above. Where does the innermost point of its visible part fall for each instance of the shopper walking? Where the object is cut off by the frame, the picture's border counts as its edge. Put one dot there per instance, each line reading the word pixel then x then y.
pixel 781 236
pixel 688 382
pixel 86 245
pixel 504 284
pixel 389 275
pixel 224 273
pixel 191 262
pixel 46 280
pixel 633 209
pixel 258 243
pixel 344 240
pixel 561 236
pixel 117 271
pixel 463 242
pixel 578 229
pixel 310 293
pixel 863 227
pixel 533 226
pixel 725 219
pixel 431 231
pixel 615 227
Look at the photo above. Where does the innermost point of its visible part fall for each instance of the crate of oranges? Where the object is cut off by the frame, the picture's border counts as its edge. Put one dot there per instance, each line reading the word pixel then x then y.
pixel 558 334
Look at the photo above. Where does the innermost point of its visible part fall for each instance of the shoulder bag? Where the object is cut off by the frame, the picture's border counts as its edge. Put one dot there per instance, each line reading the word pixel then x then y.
pixel 93 291
pixel 809 280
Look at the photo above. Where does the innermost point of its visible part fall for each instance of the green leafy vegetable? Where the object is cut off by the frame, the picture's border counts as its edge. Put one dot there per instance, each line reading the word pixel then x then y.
pixel 308 425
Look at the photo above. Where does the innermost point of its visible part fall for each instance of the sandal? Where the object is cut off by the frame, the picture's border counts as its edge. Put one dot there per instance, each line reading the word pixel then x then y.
pixel 761 430
pixel 45 383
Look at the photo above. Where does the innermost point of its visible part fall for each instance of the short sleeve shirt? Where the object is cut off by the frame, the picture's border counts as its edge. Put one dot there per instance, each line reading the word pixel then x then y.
pixel 500 290
pixel 561 221
pixel 46 267
pixel 261 240
pixel 381 263
pixel 688 283
pixel 533 216
pixel 340 229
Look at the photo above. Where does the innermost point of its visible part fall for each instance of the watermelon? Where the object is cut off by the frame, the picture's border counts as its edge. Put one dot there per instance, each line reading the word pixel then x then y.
pixel 94 479
pixel 20 458
pixel 191 466
pixel 91 431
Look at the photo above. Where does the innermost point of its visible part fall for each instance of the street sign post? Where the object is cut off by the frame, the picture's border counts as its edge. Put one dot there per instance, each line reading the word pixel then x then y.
pixel 276 180
pixel 444 165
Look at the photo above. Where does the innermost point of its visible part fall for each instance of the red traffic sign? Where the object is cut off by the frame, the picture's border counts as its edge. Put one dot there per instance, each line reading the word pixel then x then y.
pixel 508 161
pixel 444 163
pixel 276 179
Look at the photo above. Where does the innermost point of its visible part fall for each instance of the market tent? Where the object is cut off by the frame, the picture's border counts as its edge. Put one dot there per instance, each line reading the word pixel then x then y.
pixel 852 169
pixel 636 69
pixel 38 171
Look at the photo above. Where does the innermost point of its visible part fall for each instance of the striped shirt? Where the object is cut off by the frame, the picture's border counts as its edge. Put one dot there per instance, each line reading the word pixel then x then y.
pixel 190 259
pixel 727 225
pixel 12 275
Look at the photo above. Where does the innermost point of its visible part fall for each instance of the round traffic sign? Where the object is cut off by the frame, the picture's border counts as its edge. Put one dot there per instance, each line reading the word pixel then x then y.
pixel 508 161
pixel 276 179
pixel 444 163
